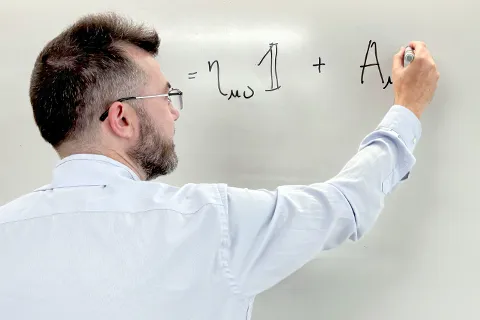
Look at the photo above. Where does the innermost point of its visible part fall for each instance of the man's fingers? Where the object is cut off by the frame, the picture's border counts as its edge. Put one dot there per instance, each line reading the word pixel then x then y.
pixel 419 49
pixel 417 45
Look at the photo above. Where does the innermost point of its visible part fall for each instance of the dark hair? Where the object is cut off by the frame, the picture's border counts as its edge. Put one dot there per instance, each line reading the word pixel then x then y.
pixel 82 70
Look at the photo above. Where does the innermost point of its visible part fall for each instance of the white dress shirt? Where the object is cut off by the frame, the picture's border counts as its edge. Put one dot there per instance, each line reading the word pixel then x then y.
pixel 99 243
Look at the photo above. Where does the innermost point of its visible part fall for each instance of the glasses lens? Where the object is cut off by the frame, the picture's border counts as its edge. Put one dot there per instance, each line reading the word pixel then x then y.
pixel 176 98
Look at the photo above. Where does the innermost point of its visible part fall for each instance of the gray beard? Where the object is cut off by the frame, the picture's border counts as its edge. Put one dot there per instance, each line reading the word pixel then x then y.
pixel 154 154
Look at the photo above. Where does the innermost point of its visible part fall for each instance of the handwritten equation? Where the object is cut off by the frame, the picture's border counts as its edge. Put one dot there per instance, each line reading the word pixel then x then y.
pixel 272 55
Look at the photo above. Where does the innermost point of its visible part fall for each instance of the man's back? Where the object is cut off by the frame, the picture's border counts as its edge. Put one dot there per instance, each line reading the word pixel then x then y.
pixel 99 244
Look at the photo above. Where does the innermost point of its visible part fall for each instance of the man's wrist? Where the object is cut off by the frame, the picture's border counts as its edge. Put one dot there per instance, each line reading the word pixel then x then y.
pixel 405 123
pixel 417 111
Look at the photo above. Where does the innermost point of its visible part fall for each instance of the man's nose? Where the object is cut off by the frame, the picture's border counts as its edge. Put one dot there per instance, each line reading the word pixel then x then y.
pixel 176 114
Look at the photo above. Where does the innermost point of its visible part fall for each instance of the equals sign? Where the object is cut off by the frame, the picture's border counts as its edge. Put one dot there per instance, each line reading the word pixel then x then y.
pixel 191 75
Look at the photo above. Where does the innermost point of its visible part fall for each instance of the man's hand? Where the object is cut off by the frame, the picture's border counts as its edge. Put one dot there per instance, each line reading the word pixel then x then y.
pixel 415 85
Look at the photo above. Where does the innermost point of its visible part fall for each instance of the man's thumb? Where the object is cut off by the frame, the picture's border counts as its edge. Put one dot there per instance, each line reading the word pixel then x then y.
pixel 398 59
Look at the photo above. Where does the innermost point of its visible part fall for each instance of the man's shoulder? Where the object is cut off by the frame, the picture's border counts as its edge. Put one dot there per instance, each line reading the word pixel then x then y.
pixel 125 196
pixel 213 191
pixel 12 208
pixel 185 198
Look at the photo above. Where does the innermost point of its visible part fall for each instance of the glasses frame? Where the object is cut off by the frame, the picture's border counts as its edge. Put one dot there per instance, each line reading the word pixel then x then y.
pixel 171 92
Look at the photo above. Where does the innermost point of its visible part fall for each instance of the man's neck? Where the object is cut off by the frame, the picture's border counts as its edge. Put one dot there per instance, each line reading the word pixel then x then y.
pixel 126 161
pixel 113 154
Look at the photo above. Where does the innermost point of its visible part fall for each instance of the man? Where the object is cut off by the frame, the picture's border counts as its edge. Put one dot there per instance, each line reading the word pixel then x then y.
pixel 103 241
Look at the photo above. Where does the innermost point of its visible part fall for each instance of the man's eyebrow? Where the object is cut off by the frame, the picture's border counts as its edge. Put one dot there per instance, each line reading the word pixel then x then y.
pixel 169 86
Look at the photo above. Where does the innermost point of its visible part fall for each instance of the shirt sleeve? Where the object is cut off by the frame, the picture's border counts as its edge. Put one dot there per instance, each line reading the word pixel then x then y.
pixel 271 234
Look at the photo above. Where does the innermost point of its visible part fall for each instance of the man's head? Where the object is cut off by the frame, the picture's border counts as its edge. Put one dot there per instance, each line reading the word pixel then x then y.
pixel 84 72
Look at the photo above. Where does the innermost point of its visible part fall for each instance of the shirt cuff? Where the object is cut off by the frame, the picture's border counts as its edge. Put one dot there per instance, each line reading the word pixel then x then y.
pixel 404 123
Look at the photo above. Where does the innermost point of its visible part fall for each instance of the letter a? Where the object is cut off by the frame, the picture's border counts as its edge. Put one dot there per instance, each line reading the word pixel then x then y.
pixel 371 44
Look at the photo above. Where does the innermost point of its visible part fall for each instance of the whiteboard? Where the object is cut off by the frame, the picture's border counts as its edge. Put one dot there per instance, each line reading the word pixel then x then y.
pixel 421 260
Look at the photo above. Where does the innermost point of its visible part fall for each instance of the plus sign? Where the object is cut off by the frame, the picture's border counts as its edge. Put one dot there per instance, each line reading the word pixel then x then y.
pixel 319 65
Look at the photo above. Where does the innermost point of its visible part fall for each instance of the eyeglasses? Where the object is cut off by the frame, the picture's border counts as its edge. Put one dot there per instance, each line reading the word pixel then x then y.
pixel 174 96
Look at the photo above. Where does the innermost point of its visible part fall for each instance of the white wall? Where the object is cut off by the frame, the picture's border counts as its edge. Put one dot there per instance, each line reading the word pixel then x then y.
pixel 421 260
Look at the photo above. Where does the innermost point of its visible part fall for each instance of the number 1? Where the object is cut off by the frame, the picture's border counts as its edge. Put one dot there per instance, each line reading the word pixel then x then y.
pixel 273 66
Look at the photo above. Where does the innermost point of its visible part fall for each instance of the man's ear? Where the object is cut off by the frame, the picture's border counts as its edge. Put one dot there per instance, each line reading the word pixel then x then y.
pixel 120 119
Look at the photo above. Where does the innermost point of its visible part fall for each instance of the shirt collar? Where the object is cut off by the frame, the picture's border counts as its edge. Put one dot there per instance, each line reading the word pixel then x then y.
pixel 89 170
